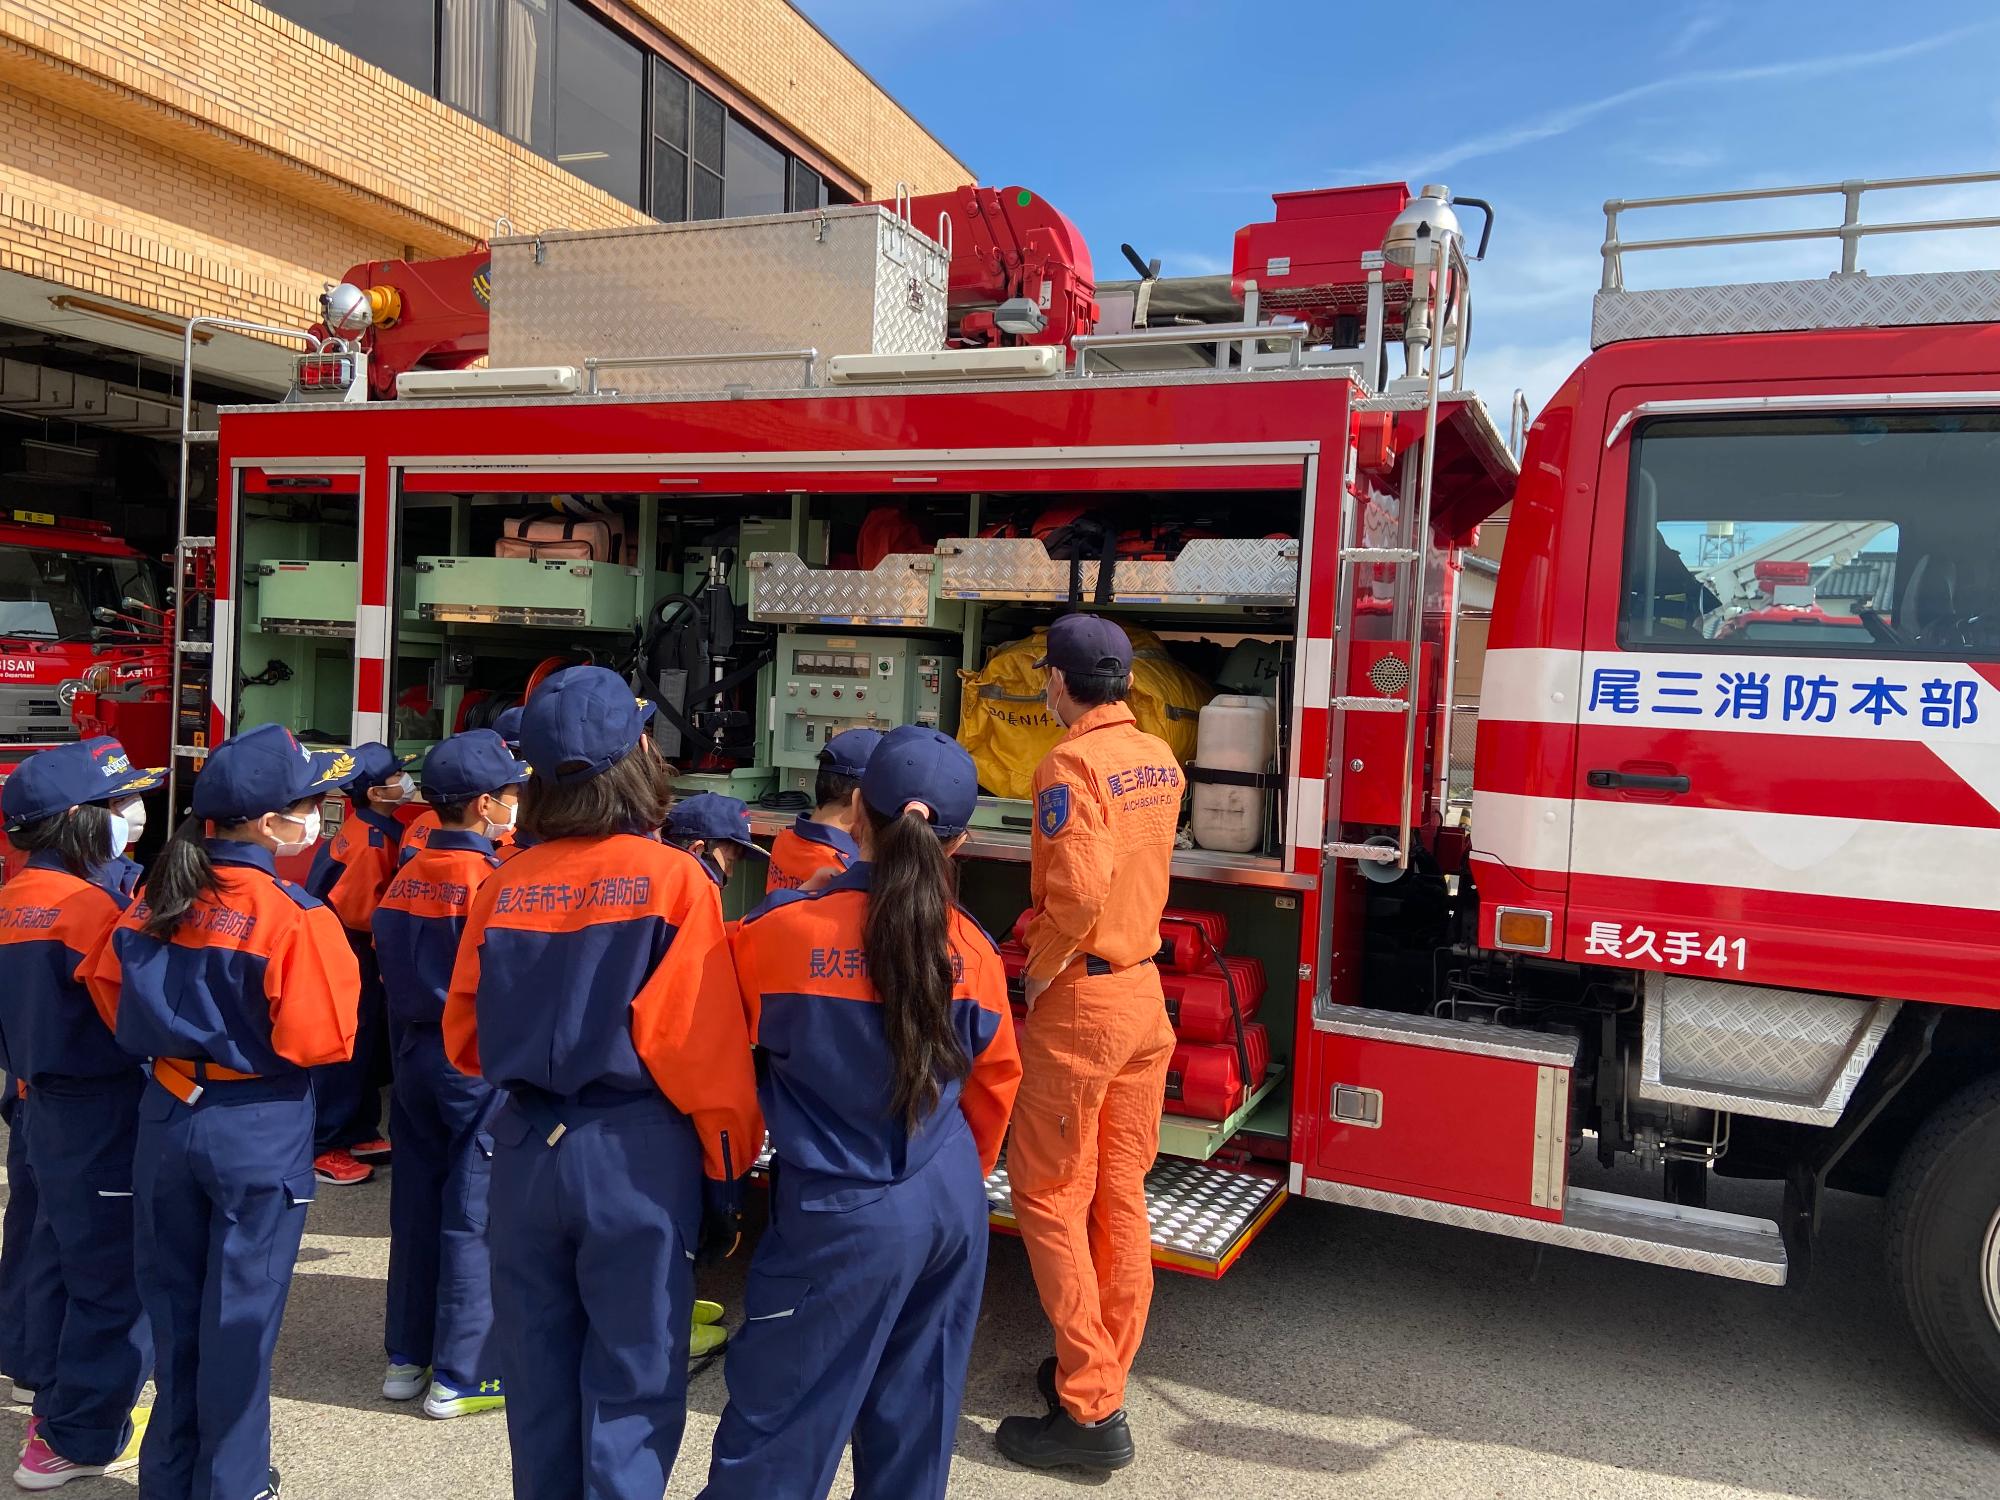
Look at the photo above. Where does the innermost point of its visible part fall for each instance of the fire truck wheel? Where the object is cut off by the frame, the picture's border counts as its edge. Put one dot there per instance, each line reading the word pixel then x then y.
pixel 1944 1242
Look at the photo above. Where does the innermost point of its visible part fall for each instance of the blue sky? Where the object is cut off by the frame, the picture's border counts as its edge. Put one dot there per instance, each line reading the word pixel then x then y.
pixel 1169 124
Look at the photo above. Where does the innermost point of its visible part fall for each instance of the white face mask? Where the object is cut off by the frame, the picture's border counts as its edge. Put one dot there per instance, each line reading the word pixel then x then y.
pixel 494 830
pixel 310 823
pixel 398 788
pixel 133 814
pixel 121 834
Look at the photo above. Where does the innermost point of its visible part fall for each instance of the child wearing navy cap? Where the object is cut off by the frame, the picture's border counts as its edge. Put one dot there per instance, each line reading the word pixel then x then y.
pixel 821 843
pixel 440 1312
pixel 593 986
pixel 235 983
pixel 716 830
pixel 71 809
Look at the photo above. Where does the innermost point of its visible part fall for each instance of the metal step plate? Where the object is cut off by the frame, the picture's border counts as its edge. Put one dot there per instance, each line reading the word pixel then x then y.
pixel 1203 1216
pixel 1662 1234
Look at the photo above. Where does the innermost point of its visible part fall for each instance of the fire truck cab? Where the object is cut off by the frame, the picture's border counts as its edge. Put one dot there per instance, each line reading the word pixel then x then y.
pixel 1716 898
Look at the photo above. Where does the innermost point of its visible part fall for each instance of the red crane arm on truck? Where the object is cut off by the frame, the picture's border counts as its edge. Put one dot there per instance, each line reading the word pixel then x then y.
pixel 424 315
pixel 1007 243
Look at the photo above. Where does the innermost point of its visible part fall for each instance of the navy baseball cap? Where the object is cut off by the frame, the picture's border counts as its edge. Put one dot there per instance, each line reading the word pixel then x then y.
pixel 714 817
pixel 918 764
pixel 55 780
pixel 373 764
pixel 1088 646
pixel 581 714
pixel 265 770
pixel 848 751
pixel 508 726
pixel 469 764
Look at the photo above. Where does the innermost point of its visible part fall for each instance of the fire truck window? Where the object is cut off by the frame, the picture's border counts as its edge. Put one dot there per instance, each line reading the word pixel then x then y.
pixel 600 104
pixel 1816 535
pixel 40 596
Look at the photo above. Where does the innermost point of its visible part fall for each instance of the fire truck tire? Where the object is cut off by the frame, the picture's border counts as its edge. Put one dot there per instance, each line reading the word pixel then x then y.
pixel 1944 1243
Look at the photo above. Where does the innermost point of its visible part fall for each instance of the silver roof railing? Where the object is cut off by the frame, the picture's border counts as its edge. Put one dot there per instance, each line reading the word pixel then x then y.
pixel 1850 231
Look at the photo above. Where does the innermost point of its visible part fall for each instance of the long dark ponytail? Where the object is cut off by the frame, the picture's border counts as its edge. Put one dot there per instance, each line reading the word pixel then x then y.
pixel 80 838
pixel 182 874
pixel 908 942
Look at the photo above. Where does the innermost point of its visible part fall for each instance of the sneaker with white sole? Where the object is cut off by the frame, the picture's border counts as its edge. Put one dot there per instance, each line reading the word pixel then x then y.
pixel 447 1400
pixel 23 1395
pixel 338 1169
pixel 404 1381
pixel 42 1468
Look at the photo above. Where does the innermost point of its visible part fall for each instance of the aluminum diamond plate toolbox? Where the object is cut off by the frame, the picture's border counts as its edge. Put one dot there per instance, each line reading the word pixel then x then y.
pixel 1854 301
pixel 1242 571
pixel 785 590
pixel 1754 1050
pixel 1201 1214
pixel 853 279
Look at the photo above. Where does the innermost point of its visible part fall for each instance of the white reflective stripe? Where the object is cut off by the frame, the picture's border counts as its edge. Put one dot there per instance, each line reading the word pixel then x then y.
pixel 1523 833
pixel 767 1317
pixel 371 630
pixel 1535 685
pixel 1855 859
pixel 1309 814
pixel 1317 690
pixel 102 1193
pixel 369 726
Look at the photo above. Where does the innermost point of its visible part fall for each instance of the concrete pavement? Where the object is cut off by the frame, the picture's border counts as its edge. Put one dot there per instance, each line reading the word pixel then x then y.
pixel 1347 1355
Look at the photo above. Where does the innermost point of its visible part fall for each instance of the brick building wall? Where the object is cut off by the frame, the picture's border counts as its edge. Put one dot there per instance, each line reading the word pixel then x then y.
pixel 208 156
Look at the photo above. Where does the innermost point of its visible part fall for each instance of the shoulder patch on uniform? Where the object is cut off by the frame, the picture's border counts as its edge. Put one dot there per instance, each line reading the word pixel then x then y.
pixel 301 897
pixel 1052 810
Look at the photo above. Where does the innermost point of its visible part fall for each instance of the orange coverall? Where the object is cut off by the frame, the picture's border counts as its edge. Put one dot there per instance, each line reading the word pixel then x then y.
pixel 1095 1052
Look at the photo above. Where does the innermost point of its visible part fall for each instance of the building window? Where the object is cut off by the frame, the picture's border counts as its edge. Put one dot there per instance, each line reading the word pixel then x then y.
pixel 398 36
pixel 495 62
pixel 755 181
pixel 555 77
pixel 600 100
pixel 808 188
pixel 672 98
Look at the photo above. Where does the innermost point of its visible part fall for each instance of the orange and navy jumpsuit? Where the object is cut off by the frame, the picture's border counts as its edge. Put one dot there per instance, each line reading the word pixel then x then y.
pixel 800 852
pixel 253 988
pixel 863 1295
pixel 417 836
pixel 440 1309
pixel 79 1156
pixel 1095 1053
pixel 593 984
pixel 350 871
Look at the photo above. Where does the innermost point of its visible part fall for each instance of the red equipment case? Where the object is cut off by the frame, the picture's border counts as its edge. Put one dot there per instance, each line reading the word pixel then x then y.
pixel 1198 1002
pixel 1205 1079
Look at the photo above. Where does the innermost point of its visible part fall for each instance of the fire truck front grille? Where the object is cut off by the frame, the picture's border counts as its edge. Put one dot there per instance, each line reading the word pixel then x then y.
pixel 33 716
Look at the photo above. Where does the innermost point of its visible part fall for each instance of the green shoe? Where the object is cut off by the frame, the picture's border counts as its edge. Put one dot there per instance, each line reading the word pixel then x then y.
pixel 446 1400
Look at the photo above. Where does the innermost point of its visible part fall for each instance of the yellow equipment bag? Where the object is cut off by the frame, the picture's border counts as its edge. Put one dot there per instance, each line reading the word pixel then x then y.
pixel 1005 726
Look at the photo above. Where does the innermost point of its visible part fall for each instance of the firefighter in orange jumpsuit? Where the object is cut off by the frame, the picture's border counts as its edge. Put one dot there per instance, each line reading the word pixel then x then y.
pixel 1095 1051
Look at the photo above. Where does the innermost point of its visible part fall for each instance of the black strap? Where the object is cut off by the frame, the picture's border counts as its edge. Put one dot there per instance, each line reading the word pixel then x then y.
pixel 1262 780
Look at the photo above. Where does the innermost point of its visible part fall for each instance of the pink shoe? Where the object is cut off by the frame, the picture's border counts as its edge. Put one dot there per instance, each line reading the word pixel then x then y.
pixel 42 1468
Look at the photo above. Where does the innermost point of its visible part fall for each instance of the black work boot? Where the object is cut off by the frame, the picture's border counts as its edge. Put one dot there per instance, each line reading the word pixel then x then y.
pixel 1058 1439
pixel 1045 1382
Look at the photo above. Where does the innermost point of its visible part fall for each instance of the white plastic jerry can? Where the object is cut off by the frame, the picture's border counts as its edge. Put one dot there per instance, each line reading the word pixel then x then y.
pixel 1235 733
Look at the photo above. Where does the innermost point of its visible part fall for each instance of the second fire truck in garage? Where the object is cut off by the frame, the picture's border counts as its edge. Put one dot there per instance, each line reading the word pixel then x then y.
pixel 1723 900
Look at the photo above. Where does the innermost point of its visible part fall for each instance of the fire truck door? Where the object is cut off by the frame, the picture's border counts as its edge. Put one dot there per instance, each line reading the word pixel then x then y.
pixel 1788 717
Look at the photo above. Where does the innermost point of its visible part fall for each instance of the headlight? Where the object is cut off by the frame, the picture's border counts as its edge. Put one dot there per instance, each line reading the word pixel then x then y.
pixel 96 678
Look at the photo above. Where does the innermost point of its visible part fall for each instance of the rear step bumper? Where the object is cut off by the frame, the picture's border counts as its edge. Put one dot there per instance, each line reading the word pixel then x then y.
pixel 1661 1234
pixel 1204 1216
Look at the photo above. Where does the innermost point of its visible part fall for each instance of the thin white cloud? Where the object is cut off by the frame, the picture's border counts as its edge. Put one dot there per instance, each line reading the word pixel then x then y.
pixel 1702 22
pixel 1562 121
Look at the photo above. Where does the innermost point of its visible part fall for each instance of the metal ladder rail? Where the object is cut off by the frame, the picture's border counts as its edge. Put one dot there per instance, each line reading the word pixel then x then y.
pixel 185 546
pixel 1450 269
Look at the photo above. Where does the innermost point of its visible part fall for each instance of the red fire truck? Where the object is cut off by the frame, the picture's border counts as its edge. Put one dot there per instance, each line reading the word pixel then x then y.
pixel 80 617
pixel 1722 901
